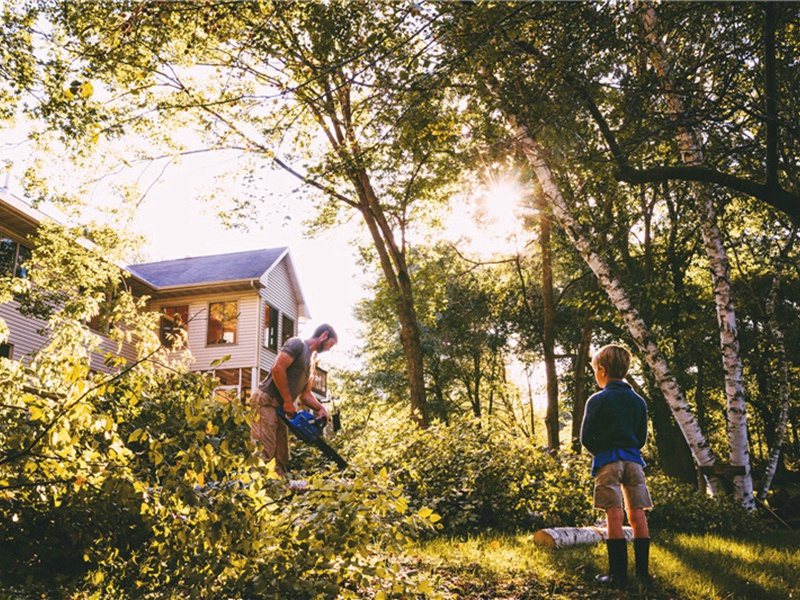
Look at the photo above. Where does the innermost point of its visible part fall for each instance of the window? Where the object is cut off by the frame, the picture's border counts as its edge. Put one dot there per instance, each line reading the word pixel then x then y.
pixel 222 319
pixel 174 320
pixel 320 382
pixel 13 257
pixel 288 329
pixel 234 384
pixel 6 350
pixel 271 327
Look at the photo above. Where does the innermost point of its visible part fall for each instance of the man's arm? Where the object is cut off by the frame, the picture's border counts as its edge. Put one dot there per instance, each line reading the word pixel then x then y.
pixel 307 398
pixel 281 381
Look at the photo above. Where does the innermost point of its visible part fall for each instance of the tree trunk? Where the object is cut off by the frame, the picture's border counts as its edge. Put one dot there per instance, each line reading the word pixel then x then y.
pixel 783 387
pixel 676 457
pixel 549 322
pixel 691 154
pixel 558 537
pixel 580 386
pixel 395 271
pixel 333 113
pixel 638 329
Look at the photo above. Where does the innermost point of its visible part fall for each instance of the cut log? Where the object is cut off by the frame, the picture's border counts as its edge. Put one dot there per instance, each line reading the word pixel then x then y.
pixel 557 537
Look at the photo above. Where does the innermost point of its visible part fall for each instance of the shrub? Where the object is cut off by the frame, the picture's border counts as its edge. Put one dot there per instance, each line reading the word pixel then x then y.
pixel 477 476
pixel 681 507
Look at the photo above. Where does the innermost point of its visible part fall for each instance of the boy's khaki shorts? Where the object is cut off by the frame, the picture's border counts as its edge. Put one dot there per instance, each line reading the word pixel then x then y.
pixel 618 478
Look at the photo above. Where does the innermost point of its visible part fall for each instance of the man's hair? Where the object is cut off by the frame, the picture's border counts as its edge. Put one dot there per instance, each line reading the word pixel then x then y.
pixel 615 359
pixel 325 328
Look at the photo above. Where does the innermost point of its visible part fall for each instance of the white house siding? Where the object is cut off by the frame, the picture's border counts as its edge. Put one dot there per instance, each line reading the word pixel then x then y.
pixel 23 331
pixel 242 353
pixel 26 339
pixel 107 346
pixel 279 292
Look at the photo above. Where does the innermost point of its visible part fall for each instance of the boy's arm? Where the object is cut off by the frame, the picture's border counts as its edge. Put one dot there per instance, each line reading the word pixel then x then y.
pixel 641 429
pixel 588 426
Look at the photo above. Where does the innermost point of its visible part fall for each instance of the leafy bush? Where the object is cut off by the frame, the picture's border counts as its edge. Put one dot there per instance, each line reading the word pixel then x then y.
pixel 681 507
pixel 477 476
pixel 139 484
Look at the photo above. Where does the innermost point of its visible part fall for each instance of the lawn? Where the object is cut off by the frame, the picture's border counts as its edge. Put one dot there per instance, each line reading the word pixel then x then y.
pixel 511 567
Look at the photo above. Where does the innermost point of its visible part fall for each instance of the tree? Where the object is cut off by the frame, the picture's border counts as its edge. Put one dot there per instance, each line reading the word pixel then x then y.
pixel 340 87
pixel 464 311
pixel 597 105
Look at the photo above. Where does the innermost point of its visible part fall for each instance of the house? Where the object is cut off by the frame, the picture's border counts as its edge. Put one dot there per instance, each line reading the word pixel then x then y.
pixel 235 309
pixel 240 306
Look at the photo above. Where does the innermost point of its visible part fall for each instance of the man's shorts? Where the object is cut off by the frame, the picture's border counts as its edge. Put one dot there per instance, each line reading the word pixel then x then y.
pixel 267 429
pixel 618 478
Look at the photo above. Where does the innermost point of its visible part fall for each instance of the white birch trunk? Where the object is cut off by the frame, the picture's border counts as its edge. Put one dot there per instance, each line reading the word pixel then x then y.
pixel 783 387
pixel 558 537
pixel 639 331
pixel 691 154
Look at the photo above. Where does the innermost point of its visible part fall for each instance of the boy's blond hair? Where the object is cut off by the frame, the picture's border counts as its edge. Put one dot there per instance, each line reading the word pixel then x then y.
pixel 614 359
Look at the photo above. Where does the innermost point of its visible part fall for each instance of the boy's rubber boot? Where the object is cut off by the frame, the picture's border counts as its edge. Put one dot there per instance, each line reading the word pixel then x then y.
pixel 617 563
pixel 641 553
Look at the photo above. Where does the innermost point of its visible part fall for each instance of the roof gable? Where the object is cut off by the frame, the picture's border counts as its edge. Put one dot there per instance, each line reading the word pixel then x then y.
pixel 217 268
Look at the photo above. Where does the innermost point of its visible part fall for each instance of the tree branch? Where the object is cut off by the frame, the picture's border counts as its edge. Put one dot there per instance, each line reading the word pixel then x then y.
pixel 780 199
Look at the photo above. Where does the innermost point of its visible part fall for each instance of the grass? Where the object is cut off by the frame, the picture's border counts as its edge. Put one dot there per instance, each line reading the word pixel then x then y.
pixel 511 567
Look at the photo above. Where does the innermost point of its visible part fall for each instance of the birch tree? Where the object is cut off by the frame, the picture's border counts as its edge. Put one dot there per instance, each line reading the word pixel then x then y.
pixel 691 155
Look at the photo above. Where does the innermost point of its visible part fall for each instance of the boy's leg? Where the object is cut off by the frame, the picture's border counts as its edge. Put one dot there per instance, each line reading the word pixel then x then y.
pixel 638 521
pixel 637 498
pixel 641 542
pixel 608 496
pixel 615 519
pixel 617 549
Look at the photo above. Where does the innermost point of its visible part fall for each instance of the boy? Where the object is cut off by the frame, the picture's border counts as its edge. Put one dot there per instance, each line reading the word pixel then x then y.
pixel 614 430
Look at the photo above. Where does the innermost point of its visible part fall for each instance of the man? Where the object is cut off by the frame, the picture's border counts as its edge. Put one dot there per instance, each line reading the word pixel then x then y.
pixel 291 378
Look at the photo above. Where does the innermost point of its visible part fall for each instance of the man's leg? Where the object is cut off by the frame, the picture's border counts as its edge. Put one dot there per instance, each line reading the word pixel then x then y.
pixel 268 430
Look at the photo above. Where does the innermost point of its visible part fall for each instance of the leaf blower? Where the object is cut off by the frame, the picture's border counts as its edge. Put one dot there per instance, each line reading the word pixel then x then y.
pixel 308 428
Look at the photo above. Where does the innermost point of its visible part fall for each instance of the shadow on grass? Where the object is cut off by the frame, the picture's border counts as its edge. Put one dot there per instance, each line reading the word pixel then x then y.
pixel 733 569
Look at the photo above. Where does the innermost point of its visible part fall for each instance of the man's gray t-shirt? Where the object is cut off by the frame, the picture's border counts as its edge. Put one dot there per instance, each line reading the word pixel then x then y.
pixel 298 373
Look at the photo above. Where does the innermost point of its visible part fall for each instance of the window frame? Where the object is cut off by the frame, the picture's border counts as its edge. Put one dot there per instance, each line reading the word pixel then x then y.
pixel 17 266
pixel 181 311
pixel 286 320
pixel 271 327
pixel 7 350
pixel 221 342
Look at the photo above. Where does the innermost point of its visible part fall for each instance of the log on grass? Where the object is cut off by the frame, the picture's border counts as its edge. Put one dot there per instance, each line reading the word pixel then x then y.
pixel 556 537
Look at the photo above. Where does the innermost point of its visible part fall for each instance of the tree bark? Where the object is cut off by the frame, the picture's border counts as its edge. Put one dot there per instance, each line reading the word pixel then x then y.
pixel 691 155
pixel 676 457
pixel 549 323
pixel 783 386
pixel 558 537
pixel 580 387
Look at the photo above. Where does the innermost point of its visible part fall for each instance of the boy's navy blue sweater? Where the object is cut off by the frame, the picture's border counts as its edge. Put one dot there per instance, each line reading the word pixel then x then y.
pixel 615 420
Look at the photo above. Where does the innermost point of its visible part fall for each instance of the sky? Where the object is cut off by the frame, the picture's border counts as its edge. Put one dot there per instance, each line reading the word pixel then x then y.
pixel 177 224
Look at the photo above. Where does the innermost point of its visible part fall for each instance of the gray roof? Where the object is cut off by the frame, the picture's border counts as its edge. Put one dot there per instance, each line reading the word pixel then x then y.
pixel 218 268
